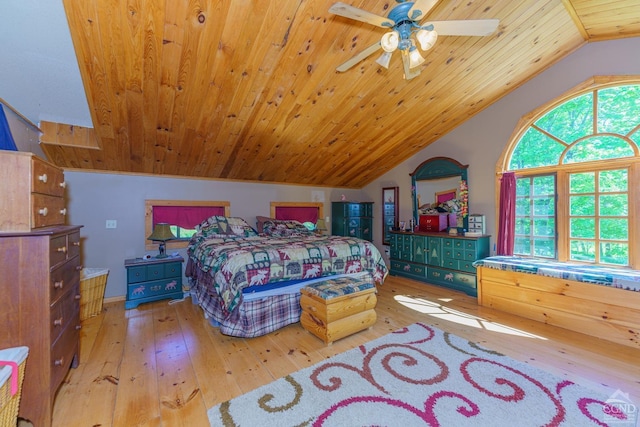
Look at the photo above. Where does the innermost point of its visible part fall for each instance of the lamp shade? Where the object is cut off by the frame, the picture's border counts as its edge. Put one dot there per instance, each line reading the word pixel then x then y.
pixel 426 39
pixel 415 58
pixel 384 60
pixel 161 233
pixel 390 41
pixel 320 225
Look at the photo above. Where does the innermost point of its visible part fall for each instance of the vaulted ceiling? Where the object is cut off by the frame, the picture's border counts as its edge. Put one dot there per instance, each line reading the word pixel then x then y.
pixel 248 90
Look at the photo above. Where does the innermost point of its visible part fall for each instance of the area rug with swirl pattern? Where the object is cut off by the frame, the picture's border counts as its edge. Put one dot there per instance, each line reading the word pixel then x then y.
pixel 418 375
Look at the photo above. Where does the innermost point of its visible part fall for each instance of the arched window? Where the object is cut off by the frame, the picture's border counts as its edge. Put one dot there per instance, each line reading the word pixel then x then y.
pixel 577 166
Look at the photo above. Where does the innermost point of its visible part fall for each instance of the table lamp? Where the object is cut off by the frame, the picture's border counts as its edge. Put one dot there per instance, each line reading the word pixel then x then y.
pixel 161 233
pixel 320 226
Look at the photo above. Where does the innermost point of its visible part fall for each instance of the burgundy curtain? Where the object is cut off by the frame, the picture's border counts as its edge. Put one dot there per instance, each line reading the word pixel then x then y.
pixel 299 213
pixel 185 216
pixel 506 223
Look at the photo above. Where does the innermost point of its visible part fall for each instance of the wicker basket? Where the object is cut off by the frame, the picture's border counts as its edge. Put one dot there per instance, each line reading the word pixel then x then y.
pixel 92 284
pixel 10 399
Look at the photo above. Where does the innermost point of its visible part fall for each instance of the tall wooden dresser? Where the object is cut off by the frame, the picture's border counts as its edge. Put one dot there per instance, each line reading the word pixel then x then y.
pixel 39 278
pixel 352 219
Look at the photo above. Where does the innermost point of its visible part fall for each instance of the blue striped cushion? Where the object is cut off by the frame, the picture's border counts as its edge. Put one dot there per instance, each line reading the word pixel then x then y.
pixel 335 287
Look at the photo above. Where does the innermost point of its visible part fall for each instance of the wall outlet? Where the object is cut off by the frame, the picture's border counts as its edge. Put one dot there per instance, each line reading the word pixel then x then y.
pixel 112 223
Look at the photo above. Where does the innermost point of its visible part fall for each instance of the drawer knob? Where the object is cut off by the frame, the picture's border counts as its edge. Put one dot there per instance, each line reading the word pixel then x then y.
pixel 58 362
pixel 63 211
pixel 63 184
pixel 43 178
pixel 75 243
pixel 58 321
pixel 78 327
pixel 78 268
pixel 59 284
pixel 62 249
pixel 43 211
pixel 77 297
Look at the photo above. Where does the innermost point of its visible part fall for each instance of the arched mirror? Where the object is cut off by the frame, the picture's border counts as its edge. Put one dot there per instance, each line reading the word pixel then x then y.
pixel 439 188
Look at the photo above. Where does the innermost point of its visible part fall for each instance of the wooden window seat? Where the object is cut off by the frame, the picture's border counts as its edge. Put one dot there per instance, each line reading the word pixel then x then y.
pixel 594 300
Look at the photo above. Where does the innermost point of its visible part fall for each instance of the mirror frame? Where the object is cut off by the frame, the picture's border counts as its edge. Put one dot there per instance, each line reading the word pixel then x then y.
pixel 437 168
pixel 389 212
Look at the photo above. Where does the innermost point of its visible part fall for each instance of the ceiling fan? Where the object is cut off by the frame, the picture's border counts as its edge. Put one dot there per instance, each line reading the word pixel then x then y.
pixel 407 32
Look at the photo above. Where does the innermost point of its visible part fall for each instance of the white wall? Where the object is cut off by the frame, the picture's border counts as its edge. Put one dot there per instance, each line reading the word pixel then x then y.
pixel 479 142
pixel 93 198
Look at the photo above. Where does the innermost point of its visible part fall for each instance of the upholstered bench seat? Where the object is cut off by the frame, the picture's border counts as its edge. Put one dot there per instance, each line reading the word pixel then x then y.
pixel 338 307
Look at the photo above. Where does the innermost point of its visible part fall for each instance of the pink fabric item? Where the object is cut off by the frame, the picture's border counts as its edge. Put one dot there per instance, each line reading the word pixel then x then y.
pixel 14 375
pixel 185 216
pixel 507 219
pixel 299 213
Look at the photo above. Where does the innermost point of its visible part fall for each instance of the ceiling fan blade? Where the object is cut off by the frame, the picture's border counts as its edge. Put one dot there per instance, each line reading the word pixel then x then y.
pixel 420 8
pixel 351 12
pixel 472 27
pixel 359 57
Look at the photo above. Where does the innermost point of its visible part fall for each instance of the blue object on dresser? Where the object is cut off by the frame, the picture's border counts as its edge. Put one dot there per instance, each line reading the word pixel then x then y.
pixel 153 279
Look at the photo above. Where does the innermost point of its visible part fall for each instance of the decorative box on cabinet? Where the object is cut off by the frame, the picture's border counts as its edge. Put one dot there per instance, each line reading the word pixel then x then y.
pixel 476 224
pixel 153 279
pixel 352 219
pixel 33 193
pixel 438 258
pixel 40 286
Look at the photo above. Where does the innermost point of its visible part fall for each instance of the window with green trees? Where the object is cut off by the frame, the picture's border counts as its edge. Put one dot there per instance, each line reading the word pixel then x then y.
pixel 575 162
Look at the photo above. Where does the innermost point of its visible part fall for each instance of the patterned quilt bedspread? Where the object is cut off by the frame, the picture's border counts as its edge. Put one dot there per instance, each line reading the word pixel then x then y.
pixel 614 277
pixel 240 262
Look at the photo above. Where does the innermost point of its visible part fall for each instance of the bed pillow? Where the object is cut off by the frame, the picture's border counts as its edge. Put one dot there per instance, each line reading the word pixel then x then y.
pixel 240 227
pixel 285 228
pixel 260 220
pixel 222 226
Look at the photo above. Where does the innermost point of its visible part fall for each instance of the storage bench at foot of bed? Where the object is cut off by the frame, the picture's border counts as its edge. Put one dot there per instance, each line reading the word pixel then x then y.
pixel 336 308
pixel 600 311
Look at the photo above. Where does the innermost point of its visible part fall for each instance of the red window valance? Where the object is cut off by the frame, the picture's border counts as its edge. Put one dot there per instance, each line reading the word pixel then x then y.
pixel 299 213
pixel 185 216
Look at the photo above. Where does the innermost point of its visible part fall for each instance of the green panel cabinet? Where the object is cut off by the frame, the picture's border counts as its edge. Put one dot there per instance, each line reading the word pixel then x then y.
pixel 153 279
pixel 438 258
pixel 352 219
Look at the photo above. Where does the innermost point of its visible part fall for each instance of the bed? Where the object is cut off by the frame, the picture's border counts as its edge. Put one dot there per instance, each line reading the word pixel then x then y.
pixel 248 283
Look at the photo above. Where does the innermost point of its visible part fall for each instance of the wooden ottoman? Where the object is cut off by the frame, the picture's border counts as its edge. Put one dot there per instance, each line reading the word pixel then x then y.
pixel 337 307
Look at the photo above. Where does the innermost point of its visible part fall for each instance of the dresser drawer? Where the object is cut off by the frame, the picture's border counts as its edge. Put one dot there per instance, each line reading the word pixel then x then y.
pixel 63 278
pixel 65 312
pixel 47 210
pixel 73 244
pixel 143 273
pixel 46 178
pixel 153 288
pixel 62 354
pixel 58 250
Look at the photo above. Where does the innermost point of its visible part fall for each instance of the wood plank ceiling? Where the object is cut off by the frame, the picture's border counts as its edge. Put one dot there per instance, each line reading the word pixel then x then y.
pixel 247 90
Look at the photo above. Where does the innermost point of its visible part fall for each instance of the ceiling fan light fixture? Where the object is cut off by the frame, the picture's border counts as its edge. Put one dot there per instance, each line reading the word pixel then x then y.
pixel 426 39
pixel 384 59
pixel 389 41
pixel 415 59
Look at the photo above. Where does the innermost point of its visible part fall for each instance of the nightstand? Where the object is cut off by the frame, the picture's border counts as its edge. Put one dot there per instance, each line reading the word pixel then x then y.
pixel 153 279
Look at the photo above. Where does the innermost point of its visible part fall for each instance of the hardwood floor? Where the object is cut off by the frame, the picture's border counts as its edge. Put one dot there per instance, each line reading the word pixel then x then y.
pixel 163 364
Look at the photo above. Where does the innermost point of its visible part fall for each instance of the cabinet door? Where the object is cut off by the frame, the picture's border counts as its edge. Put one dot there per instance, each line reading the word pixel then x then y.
pixel 366 230
pixel 435 251
pixel 419 249
pixel 396 243
pixel 354 209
